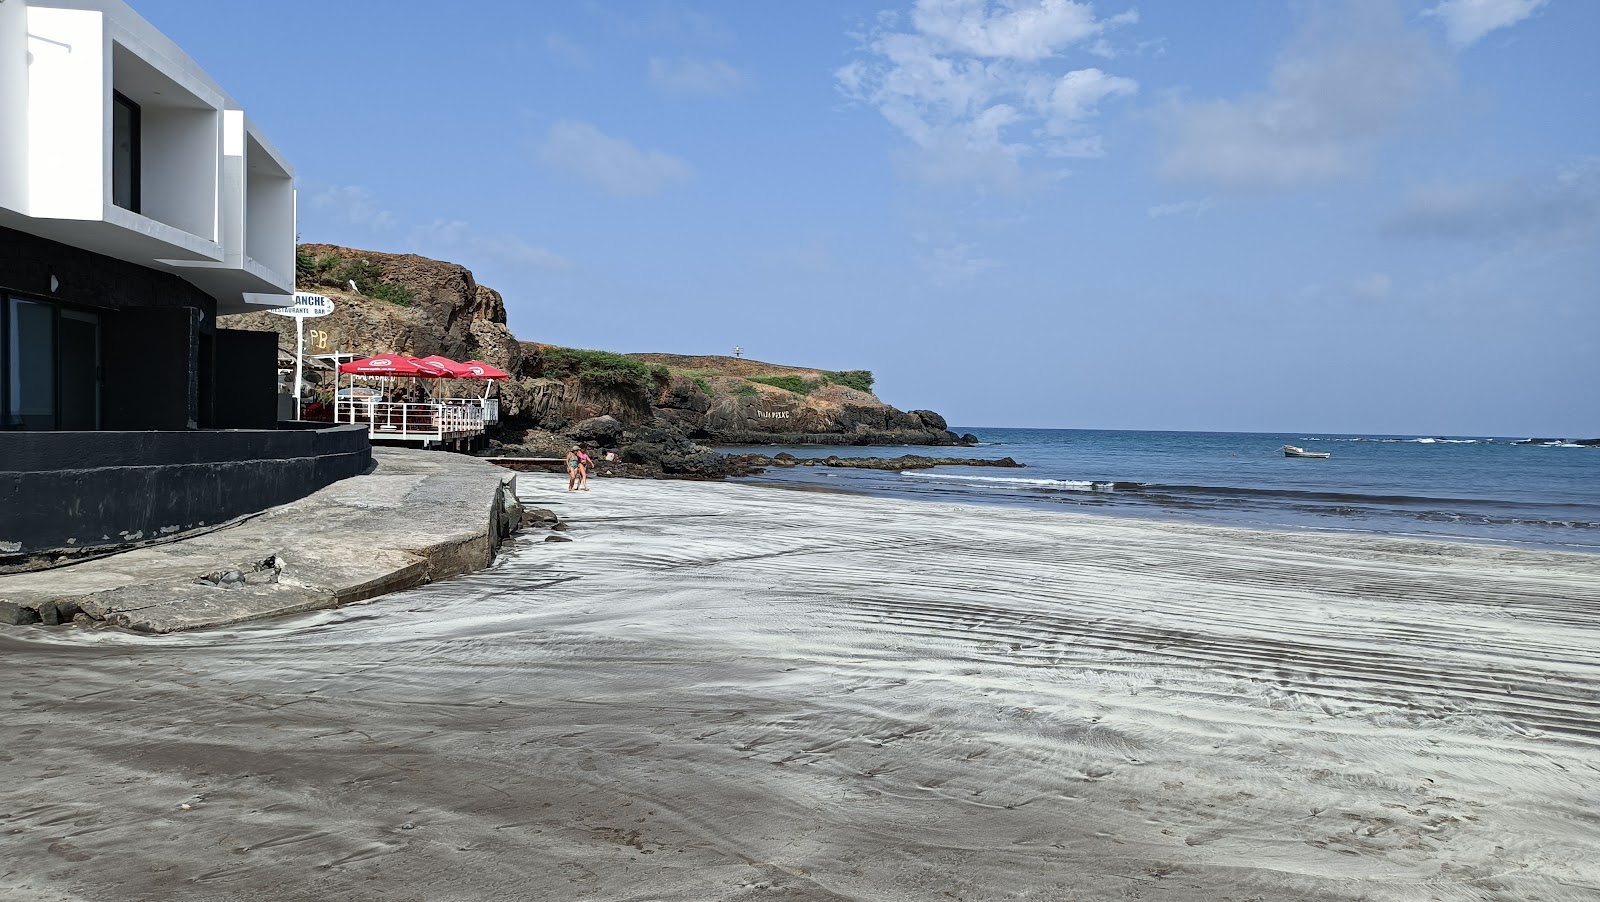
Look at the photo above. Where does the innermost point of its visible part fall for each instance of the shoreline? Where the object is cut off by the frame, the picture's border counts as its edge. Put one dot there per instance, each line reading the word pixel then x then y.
pixel 1156 515
pixel 722 691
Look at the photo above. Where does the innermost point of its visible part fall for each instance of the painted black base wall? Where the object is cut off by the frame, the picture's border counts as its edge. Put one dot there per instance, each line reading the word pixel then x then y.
pixel 64 492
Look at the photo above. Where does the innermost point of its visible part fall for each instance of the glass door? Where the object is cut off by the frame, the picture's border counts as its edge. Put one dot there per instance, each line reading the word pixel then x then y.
pixel 32 366
pixel 78 356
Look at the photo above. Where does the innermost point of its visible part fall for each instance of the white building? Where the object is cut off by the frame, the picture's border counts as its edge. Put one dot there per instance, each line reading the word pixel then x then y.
pixel 135 194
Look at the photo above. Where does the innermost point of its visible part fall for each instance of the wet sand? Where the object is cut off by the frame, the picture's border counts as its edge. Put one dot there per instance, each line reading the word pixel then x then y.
pixel 733 692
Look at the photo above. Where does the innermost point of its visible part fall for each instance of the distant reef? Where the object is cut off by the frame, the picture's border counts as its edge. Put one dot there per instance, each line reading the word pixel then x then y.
pixel 658 411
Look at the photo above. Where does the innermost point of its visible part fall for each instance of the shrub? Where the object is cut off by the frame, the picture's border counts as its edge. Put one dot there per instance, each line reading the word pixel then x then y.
pixel 599 367
pixel 391 292
pixel 334 271
pixel 745 391
pixel 366 274
pixel 788 383
pixel 860 380
pixel 705 385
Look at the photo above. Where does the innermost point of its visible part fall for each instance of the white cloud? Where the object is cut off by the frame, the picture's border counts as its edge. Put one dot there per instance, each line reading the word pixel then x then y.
pixel 455 237
pixel 1077 94
pixel 611 164
pixel 1193 209
pixel 1340 88
pixel 978 91
pixel 1467 21
pixel 696 76
pixel 353 204
pixel 1560 208
pixel 1011 29
pixel 1375 287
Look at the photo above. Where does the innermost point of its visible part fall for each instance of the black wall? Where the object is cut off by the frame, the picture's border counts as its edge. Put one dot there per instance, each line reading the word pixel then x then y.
pixel 152 379
pixel 165 363
pixel 68 491
pixel 27 262
pixel 246 379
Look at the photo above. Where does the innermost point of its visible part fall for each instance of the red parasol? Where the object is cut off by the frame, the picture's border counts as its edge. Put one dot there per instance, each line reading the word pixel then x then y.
pixel 395 365
pixel 480 370
pixel 456 370
pixel 392 365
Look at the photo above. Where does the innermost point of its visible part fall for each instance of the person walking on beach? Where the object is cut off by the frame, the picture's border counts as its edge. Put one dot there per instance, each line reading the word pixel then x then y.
pixel 574 469
pixel 585 464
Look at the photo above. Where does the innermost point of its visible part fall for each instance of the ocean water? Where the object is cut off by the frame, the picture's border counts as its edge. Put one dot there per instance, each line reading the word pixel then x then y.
pixel 1469 488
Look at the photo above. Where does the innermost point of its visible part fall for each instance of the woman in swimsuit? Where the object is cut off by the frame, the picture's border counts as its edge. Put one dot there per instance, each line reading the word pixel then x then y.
pixel 574 470
pixel 585 464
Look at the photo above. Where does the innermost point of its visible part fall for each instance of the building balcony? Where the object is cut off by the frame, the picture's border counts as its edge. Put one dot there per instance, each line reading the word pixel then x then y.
pixel 114 141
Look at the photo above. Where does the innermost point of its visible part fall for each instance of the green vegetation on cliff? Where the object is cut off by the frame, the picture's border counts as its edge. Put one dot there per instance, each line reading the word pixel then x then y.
pixel 788 383
pixel 599 367
pixel 860 380
pixel 335 271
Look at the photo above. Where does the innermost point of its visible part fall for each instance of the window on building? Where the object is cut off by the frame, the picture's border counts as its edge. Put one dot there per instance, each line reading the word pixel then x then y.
pixel 31 369
pixel 49 366
pixel 125 141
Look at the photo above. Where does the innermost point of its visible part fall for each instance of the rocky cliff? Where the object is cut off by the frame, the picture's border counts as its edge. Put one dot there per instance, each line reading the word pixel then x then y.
pixel 405 304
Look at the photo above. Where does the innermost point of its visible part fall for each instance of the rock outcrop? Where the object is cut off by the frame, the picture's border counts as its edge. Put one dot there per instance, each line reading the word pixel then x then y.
pixel 659 406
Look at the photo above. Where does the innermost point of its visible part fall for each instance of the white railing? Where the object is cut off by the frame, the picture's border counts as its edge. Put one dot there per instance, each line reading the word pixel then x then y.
pixel 461 417
pixel 422 421
pixel 488 408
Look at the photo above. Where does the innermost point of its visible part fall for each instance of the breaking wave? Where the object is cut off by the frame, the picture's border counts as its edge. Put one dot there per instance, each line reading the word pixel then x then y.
pixel 1071 485
pixel 1440 510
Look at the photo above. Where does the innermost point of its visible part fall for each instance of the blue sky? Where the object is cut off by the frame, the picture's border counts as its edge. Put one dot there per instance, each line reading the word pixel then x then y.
pixel 1372 216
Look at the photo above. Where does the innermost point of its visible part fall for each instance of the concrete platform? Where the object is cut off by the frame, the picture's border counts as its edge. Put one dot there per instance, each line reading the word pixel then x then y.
pixel 419 516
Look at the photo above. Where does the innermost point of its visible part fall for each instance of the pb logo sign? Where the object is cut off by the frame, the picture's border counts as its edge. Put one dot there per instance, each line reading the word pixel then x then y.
pixel 322 341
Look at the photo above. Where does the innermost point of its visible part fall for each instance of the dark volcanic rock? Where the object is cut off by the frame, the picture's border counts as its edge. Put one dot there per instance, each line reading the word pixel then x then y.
pixel 682 393
pixel 602 429
pixel 672 454
pixel 16 615
pixel 911 462
pixel 538 516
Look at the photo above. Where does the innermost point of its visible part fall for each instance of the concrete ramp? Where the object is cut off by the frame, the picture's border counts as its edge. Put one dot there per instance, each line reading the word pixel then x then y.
pixel 420 516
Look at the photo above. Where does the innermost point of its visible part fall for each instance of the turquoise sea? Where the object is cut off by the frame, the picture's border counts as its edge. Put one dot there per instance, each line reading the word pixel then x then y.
pixel 1474 488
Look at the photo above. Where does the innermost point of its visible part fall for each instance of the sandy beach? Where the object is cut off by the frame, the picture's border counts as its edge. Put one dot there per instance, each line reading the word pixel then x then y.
pixel 722 691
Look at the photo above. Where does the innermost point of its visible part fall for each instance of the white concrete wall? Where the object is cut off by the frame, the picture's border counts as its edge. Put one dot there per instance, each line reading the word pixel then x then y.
pixel 269 211
pixel 217 201
pixel 180 159
pixel 230 187
pixel 14 107
pixel 69 120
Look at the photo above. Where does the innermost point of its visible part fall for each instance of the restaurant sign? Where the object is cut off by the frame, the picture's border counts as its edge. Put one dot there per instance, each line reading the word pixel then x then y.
pixel 306 306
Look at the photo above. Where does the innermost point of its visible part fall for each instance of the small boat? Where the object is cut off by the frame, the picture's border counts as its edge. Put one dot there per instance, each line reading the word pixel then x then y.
pixel 1292 451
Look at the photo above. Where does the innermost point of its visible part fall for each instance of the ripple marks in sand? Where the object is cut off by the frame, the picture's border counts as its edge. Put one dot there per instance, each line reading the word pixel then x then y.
pixel 1345 676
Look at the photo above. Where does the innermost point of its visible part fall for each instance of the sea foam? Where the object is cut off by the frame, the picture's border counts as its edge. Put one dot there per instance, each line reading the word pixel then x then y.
pixel 1071 485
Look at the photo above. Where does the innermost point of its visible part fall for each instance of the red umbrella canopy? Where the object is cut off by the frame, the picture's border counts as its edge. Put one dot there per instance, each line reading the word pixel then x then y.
pixel 480 370
pixel 456 370
pixel 393 365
